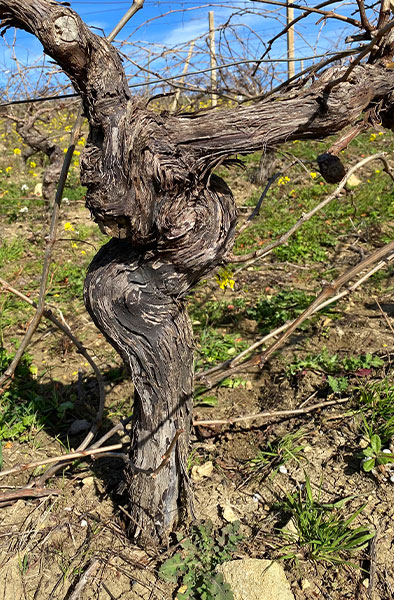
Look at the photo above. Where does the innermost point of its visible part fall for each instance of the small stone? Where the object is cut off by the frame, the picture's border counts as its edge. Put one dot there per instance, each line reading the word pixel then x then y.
pixel 291 528
pixel 366 583
pixel 255 579
pixel 353 182
pixel 88 481
pixel 249 386
pixel 228 514
pixel 392 478
pixel 201 471
pixel 84 523
pixel 38 190
pixel 78 426
pixel 305 584
pixel 282 469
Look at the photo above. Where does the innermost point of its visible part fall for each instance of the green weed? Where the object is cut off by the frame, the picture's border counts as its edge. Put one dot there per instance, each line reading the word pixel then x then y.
pixel 280 452
pixel 195 566
pixel 23 408
pixel 322 532
pixel 374 455
pixel 377 408
pixel 214 346
pixel 278 309
pixel 11 251
pixel 332 364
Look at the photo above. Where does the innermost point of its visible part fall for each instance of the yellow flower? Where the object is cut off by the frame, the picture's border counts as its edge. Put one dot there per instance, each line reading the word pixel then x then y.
pixel 377 171
pixel 17 151
pixel 65 150
pixel 75 163
pixel 372 137
pixel 35 175
pixel 77 152
pixel 381 133
pixel 224 279
pixel 313 174
pixel 8 169
pixel 81 142
pixel 74 245
pixel 33 164
pixel 83 252
pixel 68 227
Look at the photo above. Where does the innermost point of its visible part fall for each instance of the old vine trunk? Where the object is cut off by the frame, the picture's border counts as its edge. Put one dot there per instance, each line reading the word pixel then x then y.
pixel 151 189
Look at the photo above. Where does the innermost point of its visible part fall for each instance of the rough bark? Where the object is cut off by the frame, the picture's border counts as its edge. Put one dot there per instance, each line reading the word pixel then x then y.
pixel 151 189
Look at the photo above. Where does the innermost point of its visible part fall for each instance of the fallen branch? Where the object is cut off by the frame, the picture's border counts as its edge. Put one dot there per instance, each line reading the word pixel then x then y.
pixel 328 290
pixel 270 414
pixel 82 583
pixel 94 452
pixel 9 497
pixel 57 459
pixel 231 366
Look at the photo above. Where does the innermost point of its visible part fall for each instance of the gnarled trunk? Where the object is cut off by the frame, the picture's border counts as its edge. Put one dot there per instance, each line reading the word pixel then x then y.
pixel 151 188
pixel 135 297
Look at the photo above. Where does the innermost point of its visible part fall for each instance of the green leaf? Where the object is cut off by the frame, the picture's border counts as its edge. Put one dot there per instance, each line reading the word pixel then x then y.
pixel 368 465
pixel 376 443
pixel 207 401
pixel 172 567
pixel 368 451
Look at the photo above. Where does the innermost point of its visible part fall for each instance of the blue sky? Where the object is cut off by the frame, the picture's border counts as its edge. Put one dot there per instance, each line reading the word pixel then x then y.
pixel 185 20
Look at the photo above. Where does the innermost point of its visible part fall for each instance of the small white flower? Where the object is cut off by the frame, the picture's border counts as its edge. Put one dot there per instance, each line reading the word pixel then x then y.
pixel 282 469
pixel 24 209
pixel 386 451
pixel 66 200
pixel 24 187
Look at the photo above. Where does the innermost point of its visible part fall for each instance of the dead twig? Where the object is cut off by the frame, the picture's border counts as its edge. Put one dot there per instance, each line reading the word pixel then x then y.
pixel 56 459
pixel 385 317
pixel 270 414
pixel 327 291
pixel 251 258
pixel 94 563
pixel 9 497
pixel 372 567
pixel 231 366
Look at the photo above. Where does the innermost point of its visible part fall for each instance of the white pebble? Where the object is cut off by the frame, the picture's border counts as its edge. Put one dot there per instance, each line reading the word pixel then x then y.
pixel 282 469
pixel 84 523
